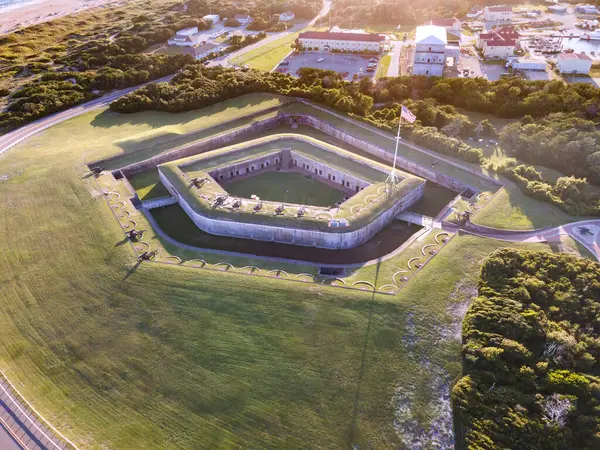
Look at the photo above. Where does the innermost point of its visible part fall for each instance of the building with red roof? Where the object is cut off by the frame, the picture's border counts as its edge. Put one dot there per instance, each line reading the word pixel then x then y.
pixel 354 42
pixel 498 43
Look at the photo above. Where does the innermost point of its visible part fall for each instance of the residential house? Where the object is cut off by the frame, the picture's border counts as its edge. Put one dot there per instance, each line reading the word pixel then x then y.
pixel 353 42
pixel 432 51
pixel 586 9
pixel 188 37
pixel 558 9
pixel 498 13
pixel 214 18
pixel 575 63
pixel 475 13
pixel 243 19
pixel 287 16
pixel 499 43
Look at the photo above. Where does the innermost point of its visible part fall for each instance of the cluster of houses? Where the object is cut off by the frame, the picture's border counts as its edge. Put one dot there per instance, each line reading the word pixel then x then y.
pixel 201 43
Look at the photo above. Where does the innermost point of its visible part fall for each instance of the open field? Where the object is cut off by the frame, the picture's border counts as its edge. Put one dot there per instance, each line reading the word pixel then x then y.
pixel 124 355
pixel 266 57
pixel 286 187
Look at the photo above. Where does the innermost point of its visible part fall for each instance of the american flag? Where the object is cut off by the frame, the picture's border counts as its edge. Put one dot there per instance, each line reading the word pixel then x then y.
pixel 407 115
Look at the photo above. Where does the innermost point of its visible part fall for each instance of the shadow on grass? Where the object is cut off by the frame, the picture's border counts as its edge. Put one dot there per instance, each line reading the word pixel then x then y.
pixel 352 437
pixel 132 270
pixel 157 119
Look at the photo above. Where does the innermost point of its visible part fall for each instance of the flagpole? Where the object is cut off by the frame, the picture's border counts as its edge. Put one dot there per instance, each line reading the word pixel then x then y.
pixel 392 177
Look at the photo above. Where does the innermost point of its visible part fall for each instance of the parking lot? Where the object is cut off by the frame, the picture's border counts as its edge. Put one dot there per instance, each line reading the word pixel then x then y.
pixel 342 63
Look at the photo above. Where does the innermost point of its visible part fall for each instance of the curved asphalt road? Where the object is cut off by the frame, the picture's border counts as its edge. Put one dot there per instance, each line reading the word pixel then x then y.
pixel 589 241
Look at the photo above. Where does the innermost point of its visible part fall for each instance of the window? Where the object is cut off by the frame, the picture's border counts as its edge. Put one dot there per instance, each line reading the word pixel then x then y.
pixel 220 177
pixel 320 172
pixel 267 163
pixel 237 172
pixel 252 168
pixel 276 160
pixel 262 165
pixel 315 170
pixel 333 178
pixel 329 176
pixel 347 183
pixel 231 173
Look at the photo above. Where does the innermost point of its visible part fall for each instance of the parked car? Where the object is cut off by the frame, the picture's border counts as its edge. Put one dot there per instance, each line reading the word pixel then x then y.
pixel 284 63
pixel 370 69
pixel 320 59
pixel 404 36
pixel 371 65
pixel 373 60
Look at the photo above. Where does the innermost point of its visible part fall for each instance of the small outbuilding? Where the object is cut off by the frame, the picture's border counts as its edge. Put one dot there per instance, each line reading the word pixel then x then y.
pixel 287 16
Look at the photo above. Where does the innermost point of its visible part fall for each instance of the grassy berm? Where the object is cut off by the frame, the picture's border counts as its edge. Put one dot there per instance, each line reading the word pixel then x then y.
pixel 123 355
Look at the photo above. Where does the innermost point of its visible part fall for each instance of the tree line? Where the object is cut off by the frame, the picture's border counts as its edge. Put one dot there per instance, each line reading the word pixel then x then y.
pixel 531 346
pixel 439 127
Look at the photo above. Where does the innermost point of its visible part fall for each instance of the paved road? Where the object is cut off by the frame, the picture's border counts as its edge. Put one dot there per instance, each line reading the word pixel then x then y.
pixel 21 427
pixel 394 69
pixel 14 137
pixel 6 440
pixel 224 61
pixel 590 240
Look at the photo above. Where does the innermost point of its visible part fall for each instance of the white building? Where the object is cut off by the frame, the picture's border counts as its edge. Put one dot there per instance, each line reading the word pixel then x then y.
pixel 578 63
pixel 432 51
pixel 475 13
pixel 586 9
pixel 453 25
pixel 214 18
pixel 353 42
pixel 498 13
pixel 527 64
pixel 243 19
pixel 287 16
pixel 188 37
pixel 558 9
pixel 499 43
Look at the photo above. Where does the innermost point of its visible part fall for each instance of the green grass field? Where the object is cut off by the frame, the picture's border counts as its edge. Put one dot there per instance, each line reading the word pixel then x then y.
pixel 383 67
pixel 124 355
pixel 267 56
pixel 286 187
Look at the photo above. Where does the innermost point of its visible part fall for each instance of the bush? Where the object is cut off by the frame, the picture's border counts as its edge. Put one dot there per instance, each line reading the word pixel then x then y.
pixel 523 337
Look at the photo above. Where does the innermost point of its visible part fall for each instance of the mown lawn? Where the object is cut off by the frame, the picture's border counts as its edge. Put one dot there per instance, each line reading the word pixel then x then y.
pixel 286 187
pixel 124 355
pixel 383 67
pixel 267 56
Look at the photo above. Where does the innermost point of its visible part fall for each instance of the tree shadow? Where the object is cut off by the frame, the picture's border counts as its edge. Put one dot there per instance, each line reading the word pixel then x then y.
pixel 158 119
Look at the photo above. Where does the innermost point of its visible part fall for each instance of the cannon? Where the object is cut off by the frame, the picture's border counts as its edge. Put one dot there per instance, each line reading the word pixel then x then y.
pixel 584 231
pixel 301 211
pixel 280 209
pixel 463 217
pixel 258 206
pixel 147 256
pixel 219 200
pixel 134 235
pixel 237 203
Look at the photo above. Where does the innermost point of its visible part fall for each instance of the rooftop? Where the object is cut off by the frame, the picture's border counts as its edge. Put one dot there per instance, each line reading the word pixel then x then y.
pixel 443 22
pixel 187 31
pixel 573 55
pixel 363 37
pixel 431 34
pixel 499 8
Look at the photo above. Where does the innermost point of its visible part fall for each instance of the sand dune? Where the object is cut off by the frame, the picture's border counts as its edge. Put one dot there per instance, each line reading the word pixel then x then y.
pixel 43 11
